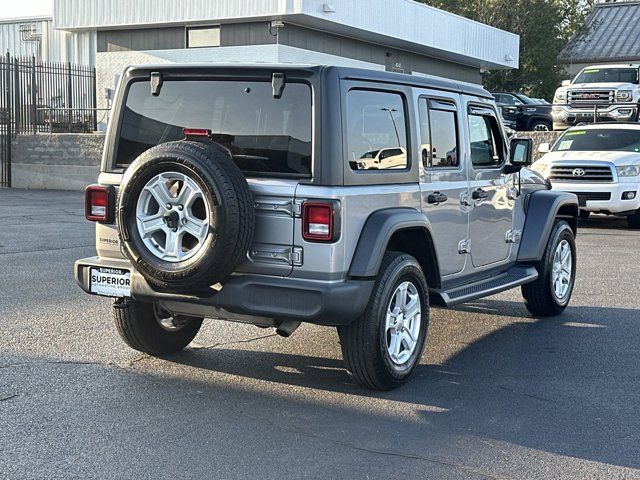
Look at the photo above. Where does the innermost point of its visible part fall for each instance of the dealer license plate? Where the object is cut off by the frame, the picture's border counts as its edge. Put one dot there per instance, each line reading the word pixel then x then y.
pixel 110 282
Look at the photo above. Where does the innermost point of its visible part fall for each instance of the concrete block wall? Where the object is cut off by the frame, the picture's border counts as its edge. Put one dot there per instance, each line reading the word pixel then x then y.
pixel 64 161
pixel 539 138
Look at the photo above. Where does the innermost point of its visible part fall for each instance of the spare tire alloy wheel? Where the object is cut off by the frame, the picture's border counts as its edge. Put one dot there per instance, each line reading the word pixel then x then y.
pixel 185 216
pixel 173 218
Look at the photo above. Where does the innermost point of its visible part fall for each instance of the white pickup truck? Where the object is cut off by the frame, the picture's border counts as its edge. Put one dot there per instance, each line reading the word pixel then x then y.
pixel 598 93
pixel 601 165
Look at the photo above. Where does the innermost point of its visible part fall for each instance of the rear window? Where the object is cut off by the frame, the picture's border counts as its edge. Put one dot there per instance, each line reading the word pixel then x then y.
pixel 266 135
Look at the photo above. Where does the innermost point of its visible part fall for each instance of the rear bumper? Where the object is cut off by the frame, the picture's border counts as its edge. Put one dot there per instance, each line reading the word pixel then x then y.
pixel 596 196
pixel 248 298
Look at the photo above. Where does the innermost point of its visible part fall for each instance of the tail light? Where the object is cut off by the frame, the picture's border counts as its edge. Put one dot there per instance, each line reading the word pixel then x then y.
pixel 99 203
pixel 318 222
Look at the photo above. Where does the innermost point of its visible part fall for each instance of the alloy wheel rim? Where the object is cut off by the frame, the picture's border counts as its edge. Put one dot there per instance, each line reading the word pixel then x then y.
pixel 562 270
pixel 172 217
pixel 541 128
pixel 403 320
pixel 170 323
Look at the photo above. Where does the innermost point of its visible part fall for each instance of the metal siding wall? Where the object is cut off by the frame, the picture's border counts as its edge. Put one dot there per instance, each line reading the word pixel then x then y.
pixel 141 39
pixel 305 38
pixel 57 46
pixel 82 14
pixel 237 34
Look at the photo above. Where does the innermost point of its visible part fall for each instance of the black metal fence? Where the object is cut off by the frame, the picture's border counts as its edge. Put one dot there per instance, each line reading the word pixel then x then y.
pixel 43 97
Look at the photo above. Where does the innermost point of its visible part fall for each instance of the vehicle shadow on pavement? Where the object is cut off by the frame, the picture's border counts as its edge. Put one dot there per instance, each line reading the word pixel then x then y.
pixel 605 222
pixel 546 384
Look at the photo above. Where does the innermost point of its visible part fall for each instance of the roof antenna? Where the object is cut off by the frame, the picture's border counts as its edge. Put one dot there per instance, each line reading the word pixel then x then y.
pixel 278 82
pixel 156 83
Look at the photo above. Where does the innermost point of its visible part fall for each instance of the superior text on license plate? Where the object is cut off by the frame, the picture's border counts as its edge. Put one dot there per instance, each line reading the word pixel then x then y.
pixel 110 282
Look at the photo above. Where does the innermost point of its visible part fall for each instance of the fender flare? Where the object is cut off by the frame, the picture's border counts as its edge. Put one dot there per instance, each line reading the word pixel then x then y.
pixel 543 208
pixel 378 230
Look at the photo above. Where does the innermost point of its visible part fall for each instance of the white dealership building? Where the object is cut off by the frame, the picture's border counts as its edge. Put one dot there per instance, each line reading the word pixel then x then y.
pixel 400 35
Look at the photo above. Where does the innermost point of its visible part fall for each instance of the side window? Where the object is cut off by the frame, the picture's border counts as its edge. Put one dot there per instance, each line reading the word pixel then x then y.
pixel 376 130
pixel 486 144
pixel 439 134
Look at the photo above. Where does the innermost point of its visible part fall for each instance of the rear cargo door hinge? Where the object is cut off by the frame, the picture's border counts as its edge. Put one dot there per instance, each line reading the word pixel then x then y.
pixel 464 246
pixel 293 209
pixel 275 254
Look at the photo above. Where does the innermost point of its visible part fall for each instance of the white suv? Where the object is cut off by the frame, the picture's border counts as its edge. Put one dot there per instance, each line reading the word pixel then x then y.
pixel 598 93
pixel 599 163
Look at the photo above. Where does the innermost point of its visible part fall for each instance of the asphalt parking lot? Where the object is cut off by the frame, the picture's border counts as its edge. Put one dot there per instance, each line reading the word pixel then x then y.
pixel 498 394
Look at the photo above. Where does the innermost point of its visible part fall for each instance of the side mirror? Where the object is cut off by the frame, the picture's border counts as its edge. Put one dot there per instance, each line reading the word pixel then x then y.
pixel 566 83
pixel 521 152
pixel 544 148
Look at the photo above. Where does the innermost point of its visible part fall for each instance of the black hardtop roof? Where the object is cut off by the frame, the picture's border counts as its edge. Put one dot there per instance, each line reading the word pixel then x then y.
pixel 348 73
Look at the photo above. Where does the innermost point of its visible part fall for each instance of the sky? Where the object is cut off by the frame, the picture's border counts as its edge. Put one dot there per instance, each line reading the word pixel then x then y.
pixel 25 8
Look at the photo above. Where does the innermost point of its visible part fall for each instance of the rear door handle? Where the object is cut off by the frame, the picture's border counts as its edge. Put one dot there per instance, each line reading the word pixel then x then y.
pixel 479 194
pixel 437 198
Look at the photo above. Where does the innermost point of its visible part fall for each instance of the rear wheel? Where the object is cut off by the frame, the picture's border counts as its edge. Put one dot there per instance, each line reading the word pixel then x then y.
pixel 549 295
pixel 147 328
pixel 382 347
pixel 633 220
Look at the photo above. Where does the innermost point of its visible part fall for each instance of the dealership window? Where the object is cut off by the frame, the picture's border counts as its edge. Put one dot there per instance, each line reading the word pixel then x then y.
pixel 203 37
pixel 376 131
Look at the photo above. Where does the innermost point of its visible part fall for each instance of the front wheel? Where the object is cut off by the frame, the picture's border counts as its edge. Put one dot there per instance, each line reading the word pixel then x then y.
pixel 633 220
pixel 147 328
pixel 549 295
pixel 382 347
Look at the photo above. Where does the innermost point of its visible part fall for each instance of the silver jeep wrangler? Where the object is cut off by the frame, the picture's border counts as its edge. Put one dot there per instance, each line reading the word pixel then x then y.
pixel 275 195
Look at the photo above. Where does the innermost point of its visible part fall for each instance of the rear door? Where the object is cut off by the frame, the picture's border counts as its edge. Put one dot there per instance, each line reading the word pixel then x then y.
pixel 491 193
pixel 444 180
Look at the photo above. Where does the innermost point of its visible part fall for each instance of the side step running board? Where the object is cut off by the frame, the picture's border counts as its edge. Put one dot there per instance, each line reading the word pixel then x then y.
pixel 514 277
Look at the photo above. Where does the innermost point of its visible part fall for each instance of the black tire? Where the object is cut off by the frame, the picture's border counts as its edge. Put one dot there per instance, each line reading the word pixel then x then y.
pixel 541 126
pixel 633 220
pixel 539 296
pixel 229 200
pixel 584 214
pixel 364 342
pixel 139 326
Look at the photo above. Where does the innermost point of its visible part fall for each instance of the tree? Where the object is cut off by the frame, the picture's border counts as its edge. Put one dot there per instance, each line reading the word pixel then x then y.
pixel 544 27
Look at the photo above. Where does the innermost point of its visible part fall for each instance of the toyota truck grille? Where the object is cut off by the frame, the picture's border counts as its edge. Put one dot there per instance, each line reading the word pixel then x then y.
pixel 591 98
pixel 571 174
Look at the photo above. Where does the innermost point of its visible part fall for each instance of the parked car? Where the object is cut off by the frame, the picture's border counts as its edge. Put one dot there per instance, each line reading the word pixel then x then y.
pixel 237 199
pixel 601 165
pixel 521 112
pixel 383 159
pixel 598 93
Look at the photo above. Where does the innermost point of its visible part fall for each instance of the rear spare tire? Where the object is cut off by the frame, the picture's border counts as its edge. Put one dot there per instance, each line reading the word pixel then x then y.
pixel 185 215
